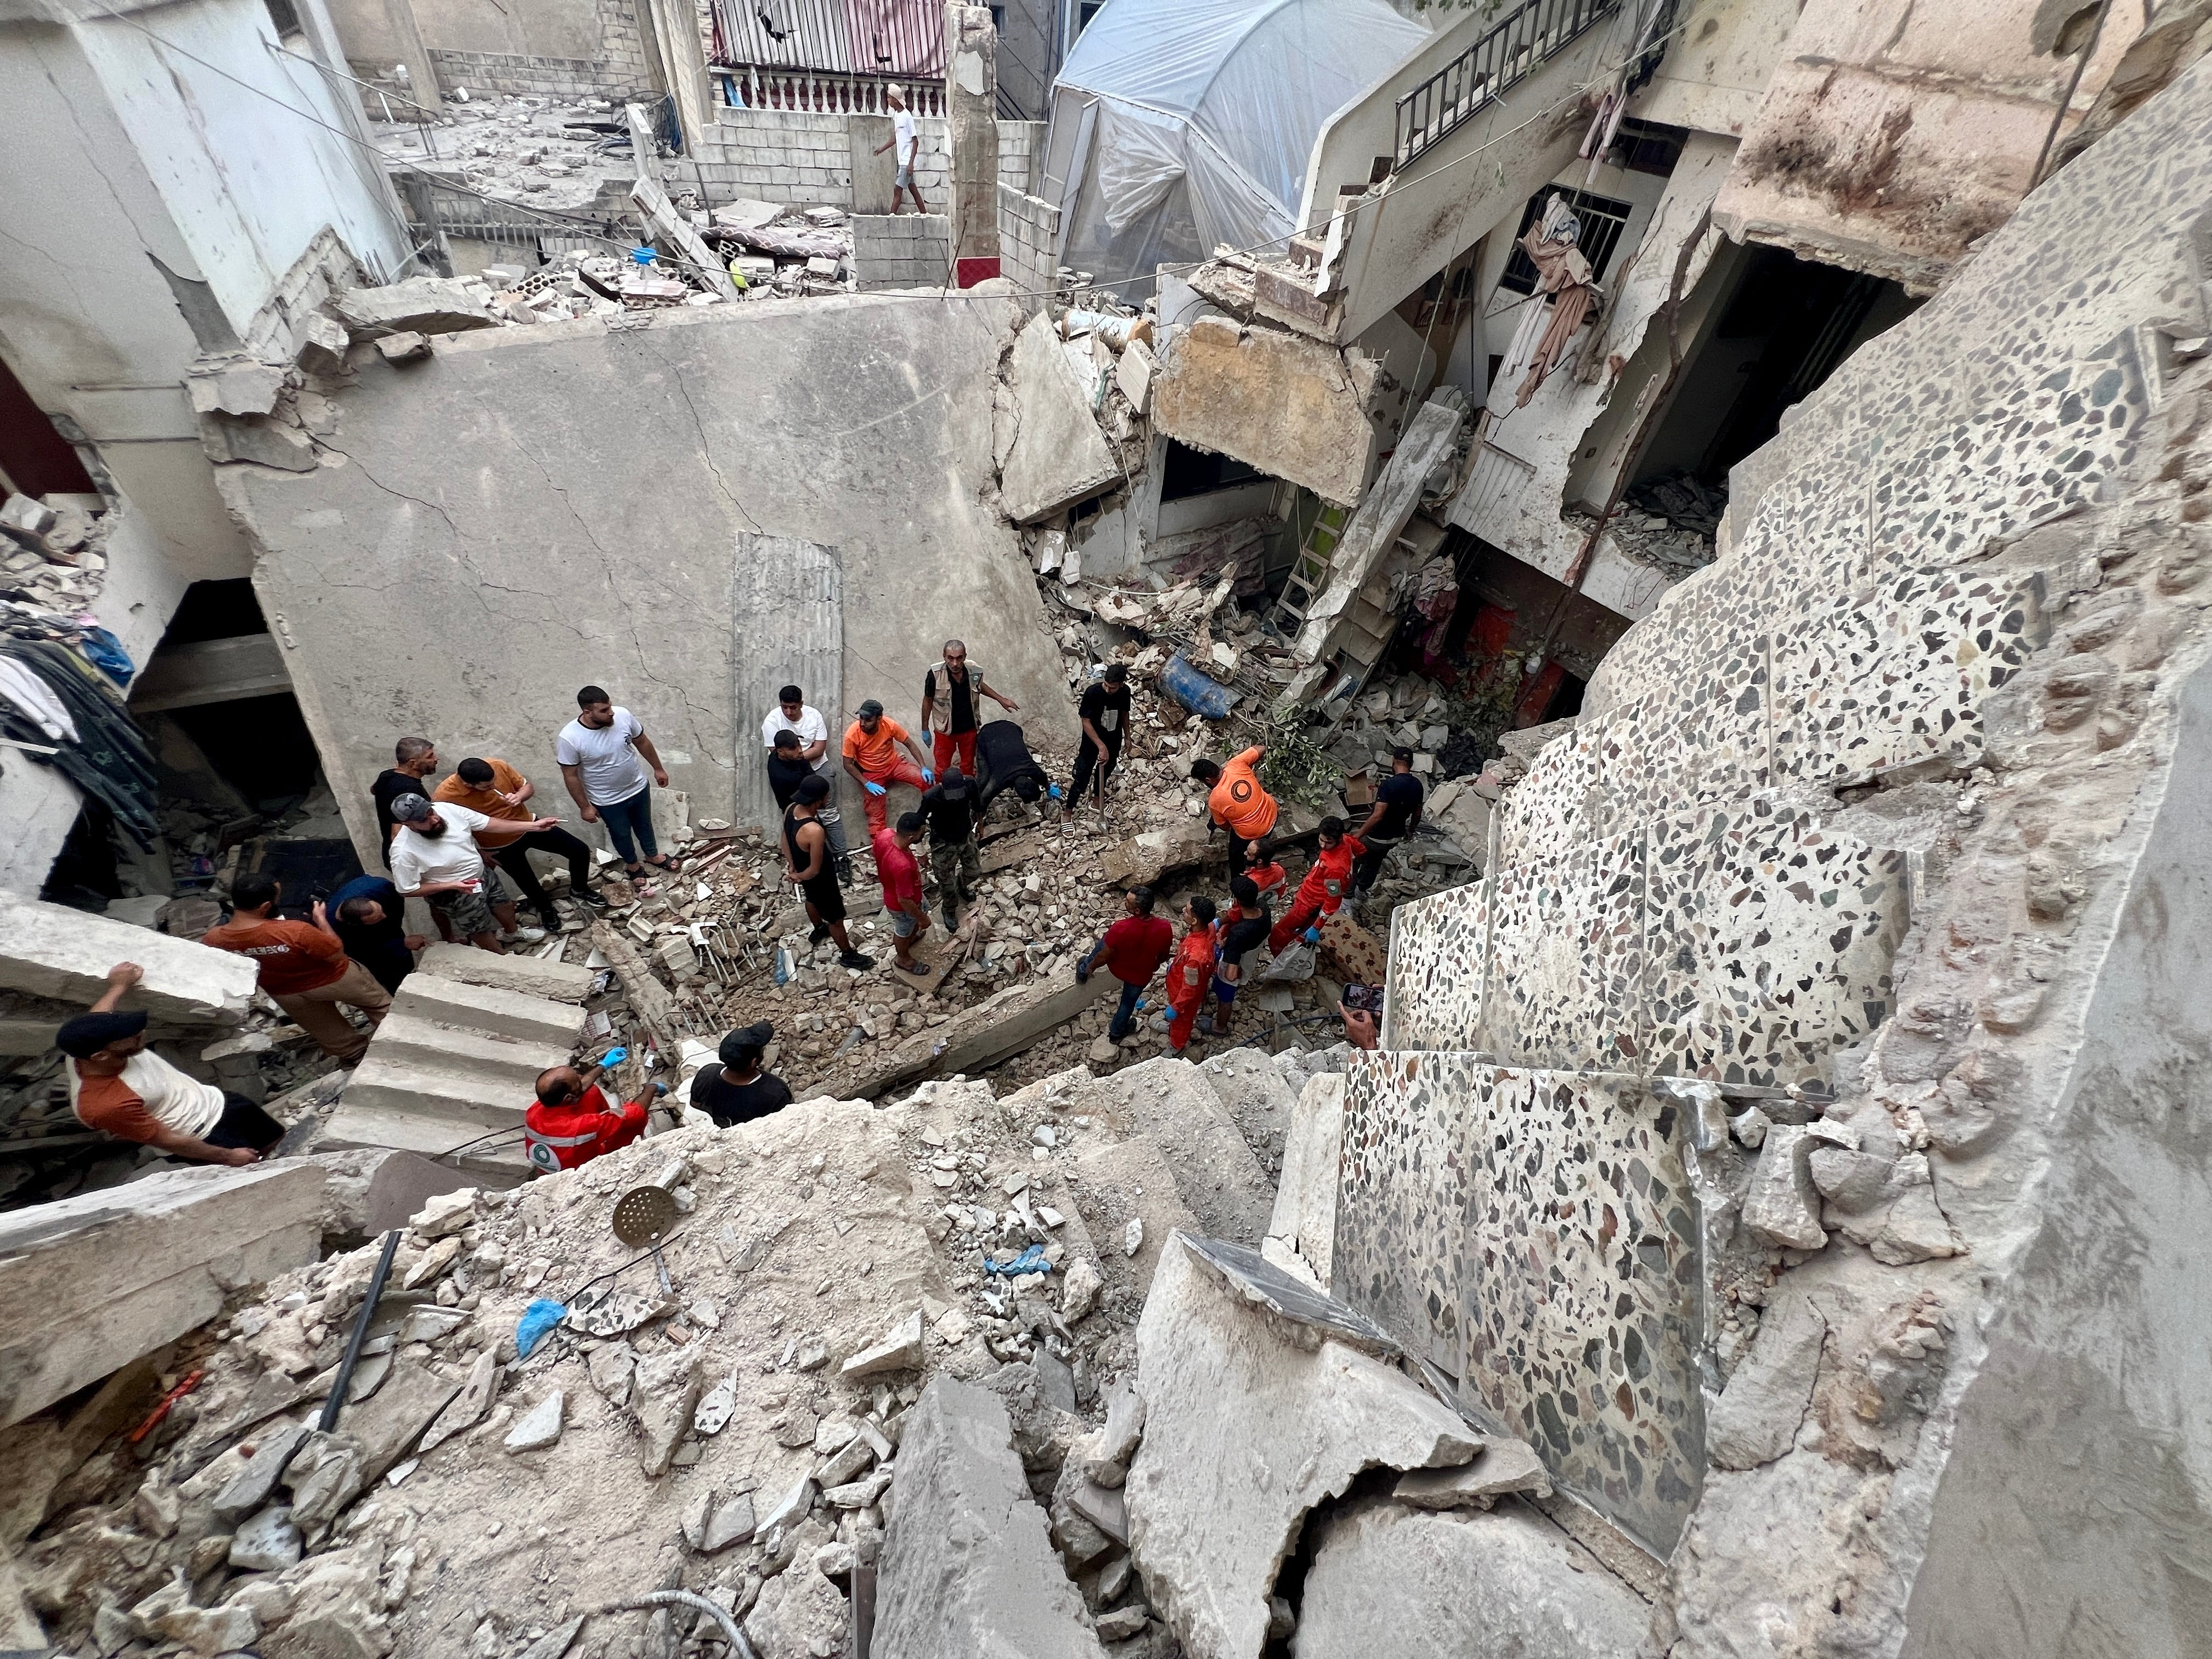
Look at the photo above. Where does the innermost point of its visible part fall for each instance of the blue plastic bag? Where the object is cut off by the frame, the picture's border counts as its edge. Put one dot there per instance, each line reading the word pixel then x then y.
pixel 1030 1260
pixel 106 654
pixel 537 1322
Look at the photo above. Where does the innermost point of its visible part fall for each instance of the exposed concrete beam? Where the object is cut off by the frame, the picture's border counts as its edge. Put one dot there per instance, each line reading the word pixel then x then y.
pixel 1289 405
pixel 51 950
pixel 89 1284
pixel 211 671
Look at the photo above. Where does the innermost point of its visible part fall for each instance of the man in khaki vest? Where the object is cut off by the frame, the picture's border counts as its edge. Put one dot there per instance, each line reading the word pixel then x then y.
pixel 951 692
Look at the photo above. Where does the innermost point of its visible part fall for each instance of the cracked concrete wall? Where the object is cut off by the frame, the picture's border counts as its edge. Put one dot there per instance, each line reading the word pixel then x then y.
pixel 535 509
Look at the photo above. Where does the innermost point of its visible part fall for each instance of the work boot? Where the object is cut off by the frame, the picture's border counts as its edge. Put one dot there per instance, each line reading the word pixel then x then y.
pixel 952 918
pixel 819 932
pixel 844 872
pixel 854 960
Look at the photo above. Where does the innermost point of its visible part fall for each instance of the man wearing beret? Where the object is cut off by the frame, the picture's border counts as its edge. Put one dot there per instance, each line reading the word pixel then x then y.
pixel 122 1088
pixel 738 1091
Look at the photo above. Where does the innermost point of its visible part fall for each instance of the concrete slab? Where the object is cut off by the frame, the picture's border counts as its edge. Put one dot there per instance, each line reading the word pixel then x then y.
pixel 394 1084
pixel 499 1158
pixel 607 508
pixel 51 951
pixel 1057 456
pixel 514 1062
pixel 1169 1102
pixel 368 1191
pixel 89 1284
pixel 1249 1422
pixel 1273 399
pixel 488 1008
pixel 1305 1217
pixel 967 1565
pixel 560 981
pixel 1461 1586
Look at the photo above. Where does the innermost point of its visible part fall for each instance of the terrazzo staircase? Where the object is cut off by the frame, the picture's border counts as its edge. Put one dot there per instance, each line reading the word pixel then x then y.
pixel 454 1066
pixel 1668 923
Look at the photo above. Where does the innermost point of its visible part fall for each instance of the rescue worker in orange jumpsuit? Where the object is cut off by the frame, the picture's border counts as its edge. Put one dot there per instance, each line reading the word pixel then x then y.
pixel 1190 975
pixel 571 1122
pixel 1326 887
pixel 1238 802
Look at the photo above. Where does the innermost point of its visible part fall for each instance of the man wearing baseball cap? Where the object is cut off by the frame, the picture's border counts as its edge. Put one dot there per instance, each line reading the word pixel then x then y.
pixel 120 1087
pixel 872 757
pixel 738 1091
pixel 435 856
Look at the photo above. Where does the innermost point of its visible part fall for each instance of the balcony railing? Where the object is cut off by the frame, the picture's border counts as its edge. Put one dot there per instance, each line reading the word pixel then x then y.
pixel 1497 62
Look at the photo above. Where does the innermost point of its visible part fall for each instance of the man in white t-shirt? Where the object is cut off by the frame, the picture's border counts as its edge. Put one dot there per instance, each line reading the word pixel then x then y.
pixel 604 758
pixel 903 135
pixel 793 713
pixel 435 856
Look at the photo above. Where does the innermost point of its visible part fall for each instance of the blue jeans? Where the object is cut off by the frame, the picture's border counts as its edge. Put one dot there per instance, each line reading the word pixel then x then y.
pixel 626 818
pixel 1125 1015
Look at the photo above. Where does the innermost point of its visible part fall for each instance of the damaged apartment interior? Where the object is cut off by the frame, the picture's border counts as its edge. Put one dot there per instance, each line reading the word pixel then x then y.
pixel 1594 612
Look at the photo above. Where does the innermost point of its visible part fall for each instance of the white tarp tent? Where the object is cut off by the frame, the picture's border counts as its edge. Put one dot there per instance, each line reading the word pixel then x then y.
pixel 1179 124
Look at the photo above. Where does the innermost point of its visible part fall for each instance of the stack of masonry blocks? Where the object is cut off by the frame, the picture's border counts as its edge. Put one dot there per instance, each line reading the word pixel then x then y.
pixel 792 155
pixel 459 1056
pixel 1659 925
pixel 901 249
pixel 1029 239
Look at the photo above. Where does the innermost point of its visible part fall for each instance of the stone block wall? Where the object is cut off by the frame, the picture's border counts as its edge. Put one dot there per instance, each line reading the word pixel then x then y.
pixel 794 155
pixel 1029 233
pixel 1021 154
pixel 901 249
pixel 621 68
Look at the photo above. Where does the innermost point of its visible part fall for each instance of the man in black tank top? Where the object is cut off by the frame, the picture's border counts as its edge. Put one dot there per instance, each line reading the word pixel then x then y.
pixel 807 863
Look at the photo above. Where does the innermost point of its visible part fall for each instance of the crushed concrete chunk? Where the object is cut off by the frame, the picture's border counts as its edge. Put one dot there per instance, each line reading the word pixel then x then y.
pixel 800 1615
pixel 665 1397
pixel 1462 1585
pixel 1251 1421
pixel 967 1568
pixel 249 1489
pixel 267 1542
pixel 1759 1413
pixel 900 1350
pixel 420 305
pixel 445 1214
pixel 1079 1295
pixel 406 347
pixel 1106 1458
pixel 471 1406
pixel 321 348
pixel 1507 1466
pixel 539 1426
pixel 1783 1206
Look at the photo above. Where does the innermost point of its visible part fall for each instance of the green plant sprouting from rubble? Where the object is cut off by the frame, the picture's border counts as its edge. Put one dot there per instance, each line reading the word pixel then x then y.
pixel 1296 767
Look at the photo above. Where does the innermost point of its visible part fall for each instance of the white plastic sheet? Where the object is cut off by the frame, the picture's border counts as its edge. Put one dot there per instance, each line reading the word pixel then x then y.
pixel 1207 112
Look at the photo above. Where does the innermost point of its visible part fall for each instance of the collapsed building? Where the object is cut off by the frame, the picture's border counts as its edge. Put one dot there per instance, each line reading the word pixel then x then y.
pixel 1763 1225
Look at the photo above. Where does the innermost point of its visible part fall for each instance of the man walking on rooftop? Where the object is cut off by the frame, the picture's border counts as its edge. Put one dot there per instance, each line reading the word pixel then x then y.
pixel 902 135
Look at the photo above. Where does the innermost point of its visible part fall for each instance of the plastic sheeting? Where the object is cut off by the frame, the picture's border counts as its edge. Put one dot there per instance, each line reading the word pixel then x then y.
pixel 1192 121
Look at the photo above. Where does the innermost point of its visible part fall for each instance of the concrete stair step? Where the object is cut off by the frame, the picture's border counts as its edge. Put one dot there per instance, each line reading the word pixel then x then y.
pixel 488 1009
pixel 562 981
pixel 514 1062
pixel 430 1090
pixel 428 1136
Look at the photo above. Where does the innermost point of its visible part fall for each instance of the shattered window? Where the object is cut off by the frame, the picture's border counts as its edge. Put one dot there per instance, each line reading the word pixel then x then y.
pixel 1603 220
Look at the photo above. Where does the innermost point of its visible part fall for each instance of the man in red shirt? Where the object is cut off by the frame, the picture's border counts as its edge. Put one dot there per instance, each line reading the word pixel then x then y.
pixel 1191 974
pixel 1132 951
pixel 572 1122
pixel 1323 891
pixel 900 873
pixel 304 967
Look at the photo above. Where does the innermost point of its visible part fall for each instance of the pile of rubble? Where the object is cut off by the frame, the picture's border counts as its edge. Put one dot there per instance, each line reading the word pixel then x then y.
pixel 726 1415
pixel 53 562
pixel 546 152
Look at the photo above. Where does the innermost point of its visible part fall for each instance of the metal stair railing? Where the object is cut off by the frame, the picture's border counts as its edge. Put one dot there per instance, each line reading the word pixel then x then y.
pixel 1497 62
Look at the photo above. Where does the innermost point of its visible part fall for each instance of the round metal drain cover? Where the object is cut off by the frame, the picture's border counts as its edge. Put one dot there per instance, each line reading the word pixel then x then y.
pixel 643 1215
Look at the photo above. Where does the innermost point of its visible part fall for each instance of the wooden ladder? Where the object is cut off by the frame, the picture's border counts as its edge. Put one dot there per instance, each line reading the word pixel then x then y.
pixel 1308 571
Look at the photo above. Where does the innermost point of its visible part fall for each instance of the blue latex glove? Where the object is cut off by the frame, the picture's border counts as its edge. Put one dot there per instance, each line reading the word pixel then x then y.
pixel 538 1320
pixel 659 1089
pixel 873 788
pixel 1030 1260
pixel 1083 973
pixel 614 1056
pixel 928 777
pixel 1312 936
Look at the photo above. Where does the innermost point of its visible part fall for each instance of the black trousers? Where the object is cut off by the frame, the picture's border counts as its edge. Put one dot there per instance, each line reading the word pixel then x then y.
pixel 244 1124
pixel 1087 760
pixel 1369 865
pixel 514 858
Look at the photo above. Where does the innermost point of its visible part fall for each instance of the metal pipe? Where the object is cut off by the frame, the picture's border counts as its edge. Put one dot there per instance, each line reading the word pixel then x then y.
pixel 329 1419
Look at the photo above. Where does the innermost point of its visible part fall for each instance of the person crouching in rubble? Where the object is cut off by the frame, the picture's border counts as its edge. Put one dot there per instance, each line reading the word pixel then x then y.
pixel 120 1087
pixel 1323 891
pixel 738 1091
pixel 1243 930
pixel 572 1121
pixel 806 865
pixel 872 759
pixel 1190 975
pixel 1237 801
